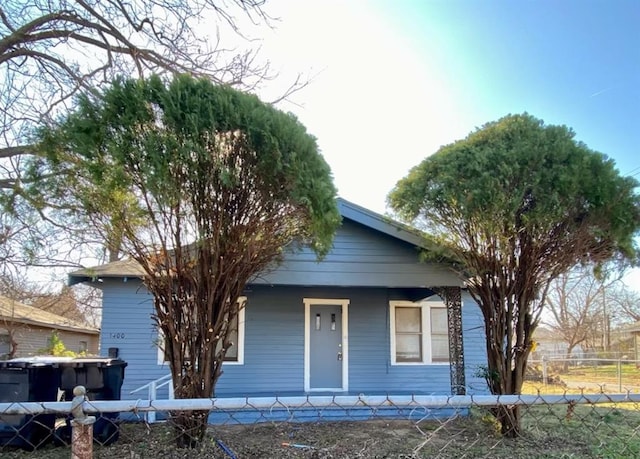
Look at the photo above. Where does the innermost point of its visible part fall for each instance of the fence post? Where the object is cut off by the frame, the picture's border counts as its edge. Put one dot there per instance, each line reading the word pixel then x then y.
pixel 81 426
pixel 153 394
pixel 620 375
pixel 544 370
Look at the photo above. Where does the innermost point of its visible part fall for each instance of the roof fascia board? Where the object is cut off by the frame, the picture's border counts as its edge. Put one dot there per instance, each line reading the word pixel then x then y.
pixel 378 222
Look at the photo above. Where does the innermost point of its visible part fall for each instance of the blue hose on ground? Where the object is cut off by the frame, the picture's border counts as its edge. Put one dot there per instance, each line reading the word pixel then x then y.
pixel 226 449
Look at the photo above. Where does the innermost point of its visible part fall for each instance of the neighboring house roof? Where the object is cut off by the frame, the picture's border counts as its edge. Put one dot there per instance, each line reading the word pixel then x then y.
pixel 15 311
pixel 543 334
pixel 630 328
pixel 131 269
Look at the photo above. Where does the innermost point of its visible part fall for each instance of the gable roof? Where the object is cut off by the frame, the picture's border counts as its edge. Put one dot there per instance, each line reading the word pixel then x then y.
pixel 15 311
pixel 129 268
pixel 380 223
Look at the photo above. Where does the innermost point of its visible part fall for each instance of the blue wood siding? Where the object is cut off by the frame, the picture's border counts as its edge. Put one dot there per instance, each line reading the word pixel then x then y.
pixel 475 345
pixel 361 257
pixel 274 342
pixel 127 325
pixel 370 355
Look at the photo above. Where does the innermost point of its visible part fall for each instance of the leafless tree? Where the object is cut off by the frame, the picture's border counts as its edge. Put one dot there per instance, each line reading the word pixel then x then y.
pixel 624 303
pixel 78 304
pixel 584 307
pixel 13 289
pixel 8 326
pixel 51 50
pixel 575 303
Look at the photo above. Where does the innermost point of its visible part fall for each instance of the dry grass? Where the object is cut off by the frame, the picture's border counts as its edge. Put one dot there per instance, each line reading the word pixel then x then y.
pixel 535 388
pixel 549 432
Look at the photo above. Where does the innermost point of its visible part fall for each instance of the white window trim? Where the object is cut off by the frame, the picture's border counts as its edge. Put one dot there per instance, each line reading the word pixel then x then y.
pixel 426 333
pixel 241 325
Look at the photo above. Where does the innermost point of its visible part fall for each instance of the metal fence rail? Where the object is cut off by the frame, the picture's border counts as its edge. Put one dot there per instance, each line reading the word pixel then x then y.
pixel 317 401
pixel 620 374
pixel 408 426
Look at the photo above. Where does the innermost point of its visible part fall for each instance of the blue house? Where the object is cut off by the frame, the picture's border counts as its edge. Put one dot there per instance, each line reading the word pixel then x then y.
pixel 369 318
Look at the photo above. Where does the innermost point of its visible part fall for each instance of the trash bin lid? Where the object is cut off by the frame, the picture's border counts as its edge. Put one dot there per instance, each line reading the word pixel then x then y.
pixel 50 360
pixel 42 358
pixel 93 362
pixel 37 361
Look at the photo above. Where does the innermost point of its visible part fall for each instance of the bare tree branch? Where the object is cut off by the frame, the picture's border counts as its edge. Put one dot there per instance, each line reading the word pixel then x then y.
pixel 53 50
pixel 9 152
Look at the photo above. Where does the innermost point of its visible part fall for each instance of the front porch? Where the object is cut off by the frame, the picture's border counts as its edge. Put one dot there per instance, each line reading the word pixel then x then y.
pixel 300 406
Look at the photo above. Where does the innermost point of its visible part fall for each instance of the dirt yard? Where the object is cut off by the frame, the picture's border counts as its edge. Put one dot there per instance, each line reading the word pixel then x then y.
pixel 402 439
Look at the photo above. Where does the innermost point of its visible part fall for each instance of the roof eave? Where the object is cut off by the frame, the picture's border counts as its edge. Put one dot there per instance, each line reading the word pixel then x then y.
pixel 72 328
pixel 379 222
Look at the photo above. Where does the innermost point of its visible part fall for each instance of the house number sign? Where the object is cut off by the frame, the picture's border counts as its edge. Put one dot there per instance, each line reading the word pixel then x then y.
pixel 116 335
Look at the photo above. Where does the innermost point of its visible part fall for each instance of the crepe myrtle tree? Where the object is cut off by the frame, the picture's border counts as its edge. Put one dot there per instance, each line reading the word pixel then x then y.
pixel 513 206
pixel 208 186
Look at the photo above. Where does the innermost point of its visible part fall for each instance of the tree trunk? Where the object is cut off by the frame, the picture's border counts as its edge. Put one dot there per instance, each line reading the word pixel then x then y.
pixel 509 418
pixel 507 356
pixel 114 248
pixel 190 427
pixel 195 363
pixel 504 382
pixel 14 345
pixel 567 357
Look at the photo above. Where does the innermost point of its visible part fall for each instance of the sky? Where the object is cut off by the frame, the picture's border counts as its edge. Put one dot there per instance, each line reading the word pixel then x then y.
pixel 395 80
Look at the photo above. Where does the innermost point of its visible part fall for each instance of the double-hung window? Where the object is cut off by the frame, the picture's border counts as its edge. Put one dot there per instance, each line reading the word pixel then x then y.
pixel 235 353
pixel 419 333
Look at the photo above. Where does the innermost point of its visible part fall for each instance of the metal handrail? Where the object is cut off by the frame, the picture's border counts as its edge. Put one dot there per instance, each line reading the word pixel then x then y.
pixel 165 379
pixel 153 387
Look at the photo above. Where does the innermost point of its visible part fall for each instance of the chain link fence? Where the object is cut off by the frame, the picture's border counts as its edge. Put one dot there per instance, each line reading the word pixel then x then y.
pixel 602 375
pixel 388 426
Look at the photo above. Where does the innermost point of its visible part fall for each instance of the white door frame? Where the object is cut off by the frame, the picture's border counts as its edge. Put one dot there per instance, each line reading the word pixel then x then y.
pixel 308 302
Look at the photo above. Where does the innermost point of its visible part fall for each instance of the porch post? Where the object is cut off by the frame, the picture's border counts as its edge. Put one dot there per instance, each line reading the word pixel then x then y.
pixel 452 297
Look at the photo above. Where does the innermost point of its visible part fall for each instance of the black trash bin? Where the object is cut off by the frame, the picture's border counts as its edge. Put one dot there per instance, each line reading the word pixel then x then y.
pixel 103 378
pixel 28 380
